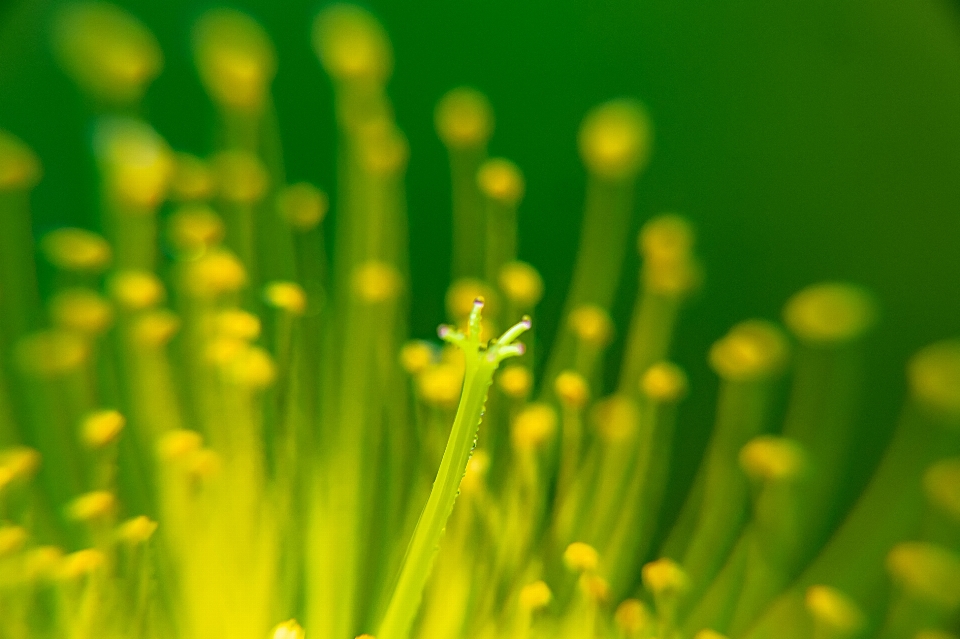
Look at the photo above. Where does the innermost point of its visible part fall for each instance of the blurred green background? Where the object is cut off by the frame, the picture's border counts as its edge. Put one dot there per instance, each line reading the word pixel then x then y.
pixel 805 140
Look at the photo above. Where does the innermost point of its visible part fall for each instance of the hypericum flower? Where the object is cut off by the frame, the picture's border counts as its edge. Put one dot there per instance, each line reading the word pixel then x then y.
pixel 211 428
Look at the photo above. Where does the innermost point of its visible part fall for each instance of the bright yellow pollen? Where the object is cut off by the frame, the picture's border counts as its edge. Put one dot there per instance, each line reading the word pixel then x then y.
pixel 664 577
pixel 137 530
pixel 286 296
pixel 91 506
pixel 155 328
pixel 830 313
pixel 135 290
pixel 224 349
pixel 753 349
pixel 215 274
pixel 533 426
pixel 632 616
pixel 254 369
pixel 376 282
pixel 501 181
pixel 927 571
pixel 352 45
pixel 385 150
pixel 82 563
pixel 707 633
pixel 772 458
pixel 136 162
pixel 101 428
pixel 302 205
pixel 415 356
pixel 665 238
pixel 664 382
pixel 19 463
pixel 73 249
pixel 289 629
pixel 235 59
pixel 440 384
pixel 581 557
pixel 464 118
pixel 535 596
pixel 178 445
pixel 238 324
pixel 572 389
pixel 12 539
pixel 615 139
pixel 81 310
pixel 194 228
pixel 515 381
pixel 833 609
pixel 592 325
pixel 19 166
pixel 521 284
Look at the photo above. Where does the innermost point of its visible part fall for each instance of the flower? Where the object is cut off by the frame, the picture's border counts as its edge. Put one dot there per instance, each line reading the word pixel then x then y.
pixel 214 427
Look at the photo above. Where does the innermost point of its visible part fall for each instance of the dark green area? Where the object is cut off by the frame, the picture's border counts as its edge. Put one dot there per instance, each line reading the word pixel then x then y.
pixel 808 141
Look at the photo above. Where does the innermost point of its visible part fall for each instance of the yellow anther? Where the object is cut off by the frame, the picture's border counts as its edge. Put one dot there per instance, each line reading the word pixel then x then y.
pixel 941 483
pixel 615 139
pixel 581 557
pixel 535 596
pixel 224 350
pixel 155 328
pixel 754 349
pixel 17 463
pixel 352 45
pixel 415 356
pixel 205 464
pixel 591 324
pixel 834 610
pixel 51 353
pixel 179 445
pixel 241 176
pixel 365 636
pixel 235 59
pixel 501 181
pixel 769 458
pixel 43 562
pixel 632 616
pixel 135 290
pixel 194 228
pixel 137 530
pixel 521 284
pixel 461 295
pixel 463 118
pixel 707 633
pixel 215 273
pixel 72 249
pixel 192 179
pixel 616 418
pixel 136 162
pixel 302 205
pixel 595 587
pixel 934 376
pixel 82 311
pixel 572 389
pixel 664 382
pixel 238 324
pixel 286 296
pixel 384 150
pixel 92 506
pixel 82 563
pixel 101 428
pixel 12 539
pixel 927 571
pixel 376 282
pixel 289 629
pixel 533 426
pixel 19 166
pixel 254 368
pixel 666 238
pixel 440 384
pixel 476 472
pixel 106 51
pixel 664 577
pixel 515 381
pixel 830 313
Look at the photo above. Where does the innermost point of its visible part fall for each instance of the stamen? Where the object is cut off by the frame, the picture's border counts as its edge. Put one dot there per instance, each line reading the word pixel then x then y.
pixel 833 612
pixel 302 205
pixel 752 350
pixel 769 458
pixel 78 250
pixel 535 596
pixel 136 290
pixel 533 427
pixel 92 506
pixel 193 179
pixel 521 284
pixel 464 118
pixel 926 571
pixel 82 311
pixel 664 382
pixel 941 483
pixel 137 530
pixel 515 381
pixel 289 629
pixel 20 168
pixel 352 45
pixel 501 180
pixel 615 139
pixel 934 376
pixel 581 557
pixel 286 296
pixel 572 389
pixel 101 428
pixel 830 313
